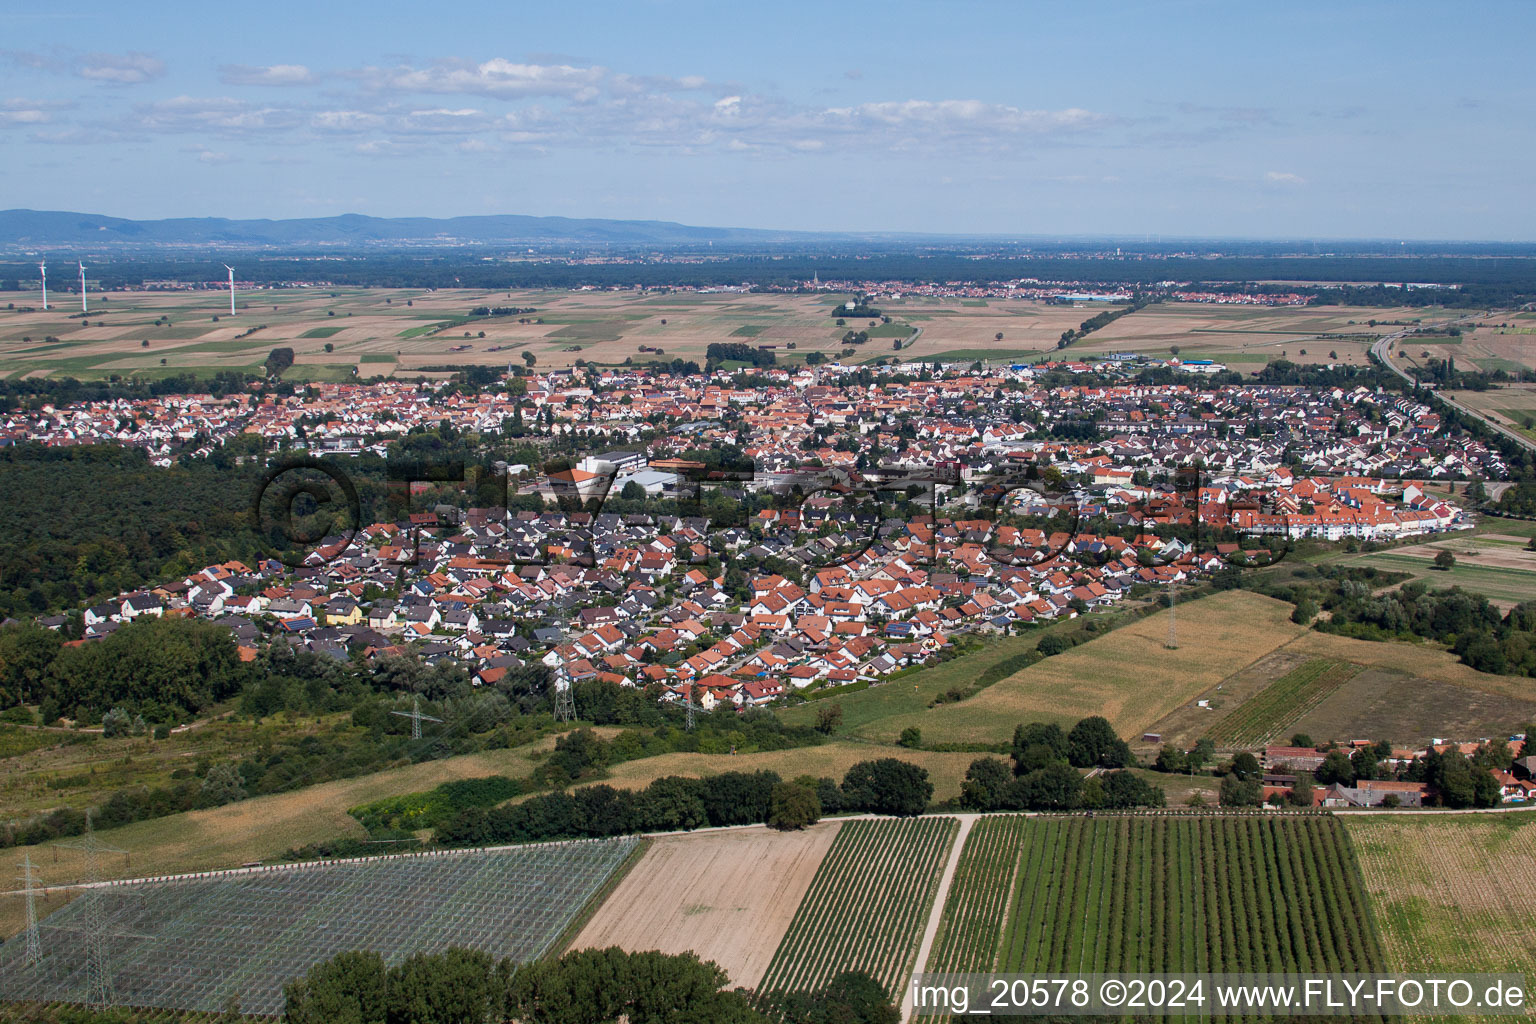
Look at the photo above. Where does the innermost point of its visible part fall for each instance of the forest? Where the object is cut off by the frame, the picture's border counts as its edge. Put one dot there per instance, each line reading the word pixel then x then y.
pixel 1501 277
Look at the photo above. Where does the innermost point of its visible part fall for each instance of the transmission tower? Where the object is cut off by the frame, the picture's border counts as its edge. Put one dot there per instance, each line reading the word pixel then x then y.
pixel 34 945
pixel 98 972
pixel 1173 628
pixel 565 698
pixel 416 717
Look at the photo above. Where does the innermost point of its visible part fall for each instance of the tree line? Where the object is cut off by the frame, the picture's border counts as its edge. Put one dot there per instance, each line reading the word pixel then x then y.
pixel 1045 772
pixel 588 986
pixel 678 803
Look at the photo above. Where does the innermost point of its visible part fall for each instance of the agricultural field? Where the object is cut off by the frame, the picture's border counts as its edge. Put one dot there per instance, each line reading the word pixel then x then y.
pixel 1451 893
pixel 978 896
pixel 263 828
pixel 339 333
pixel 347 333
pixel 197 944
pixel 1269 713
pixel 867 905
pixel 1247 337
pixel 1154 893
pixel 687 894
pixel 1492 342
pixel 1411 708
pixel 260 828
pixel 913 691
pixel 1501 571
pixel 1128 675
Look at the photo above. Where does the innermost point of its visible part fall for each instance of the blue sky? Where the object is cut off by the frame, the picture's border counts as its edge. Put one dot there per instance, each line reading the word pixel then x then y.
pixel 1319 120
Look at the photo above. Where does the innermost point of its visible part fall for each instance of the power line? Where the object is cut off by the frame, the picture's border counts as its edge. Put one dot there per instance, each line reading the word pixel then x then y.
pixel 1173 598
pixel 34 945
pixel 565 698
pixel 416 717
pixel 99 990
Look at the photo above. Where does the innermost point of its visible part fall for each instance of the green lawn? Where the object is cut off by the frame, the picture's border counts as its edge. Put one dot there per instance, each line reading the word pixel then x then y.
pixel 912 693
pixel 1494 582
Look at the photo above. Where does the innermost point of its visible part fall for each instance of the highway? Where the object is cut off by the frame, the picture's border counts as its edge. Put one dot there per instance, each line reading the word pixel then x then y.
pixel 1379 350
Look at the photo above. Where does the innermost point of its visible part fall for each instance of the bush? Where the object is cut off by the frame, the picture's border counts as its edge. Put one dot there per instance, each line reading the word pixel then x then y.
pixel 887 786
pixel 793 807
pixel 1053 644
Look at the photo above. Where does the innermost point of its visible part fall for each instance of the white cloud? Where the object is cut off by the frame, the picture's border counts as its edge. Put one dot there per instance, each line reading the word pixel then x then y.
pixel 209 156
pixel 1284 178
pixel 271 74
pixel 345 121
pixel 14 112
pixel 559 101
pixel 495 77
pixel 221 115
pixel 129 68
pixel 966 116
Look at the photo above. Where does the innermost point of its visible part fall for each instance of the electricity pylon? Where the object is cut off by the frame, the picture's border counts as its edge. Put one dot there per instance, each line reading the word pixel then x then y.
pixel 416 717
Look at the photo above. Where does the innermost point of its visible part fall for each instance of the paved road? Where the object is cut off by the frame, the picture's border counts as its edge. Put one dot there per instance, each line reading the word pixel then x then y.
pixel 1379 350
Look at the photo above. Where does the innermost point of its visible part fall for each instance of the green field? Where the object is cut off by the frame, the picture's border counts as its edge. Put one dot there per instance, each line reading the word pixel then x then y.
pixel 978 896
pixel 867 905
pixel 1497 583
pixel 1281 703
pixel 1217 893
pixel 321 332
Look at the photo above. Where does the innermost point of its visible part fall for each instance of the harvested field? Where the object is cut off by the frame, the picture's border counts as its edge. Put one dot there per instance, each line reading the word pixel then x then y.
pixel 403 330
pixel 1407 708
pixel 1238 334
pixel 726 895
pixel 1425 660
pixel 1128 675
pixel 1451 893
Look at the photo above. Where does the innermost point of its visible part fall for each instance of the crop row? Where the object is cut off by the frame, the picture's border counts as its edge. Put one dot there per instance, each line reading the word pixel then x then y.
pixel 866 906
pixel 1282 702
pixel 1188 894
pixel 978 897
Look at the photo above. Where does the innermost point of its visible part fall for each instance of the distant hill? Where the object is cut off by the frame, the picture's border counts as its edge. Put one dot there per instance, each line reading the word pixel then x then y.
pixel 54 227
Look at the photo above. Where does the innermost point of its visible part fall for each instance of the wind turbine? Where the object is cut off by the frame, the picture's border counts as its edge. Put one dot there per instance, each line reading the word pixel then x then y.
pixel 83 308
pixel 231 288
pixel 42 268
